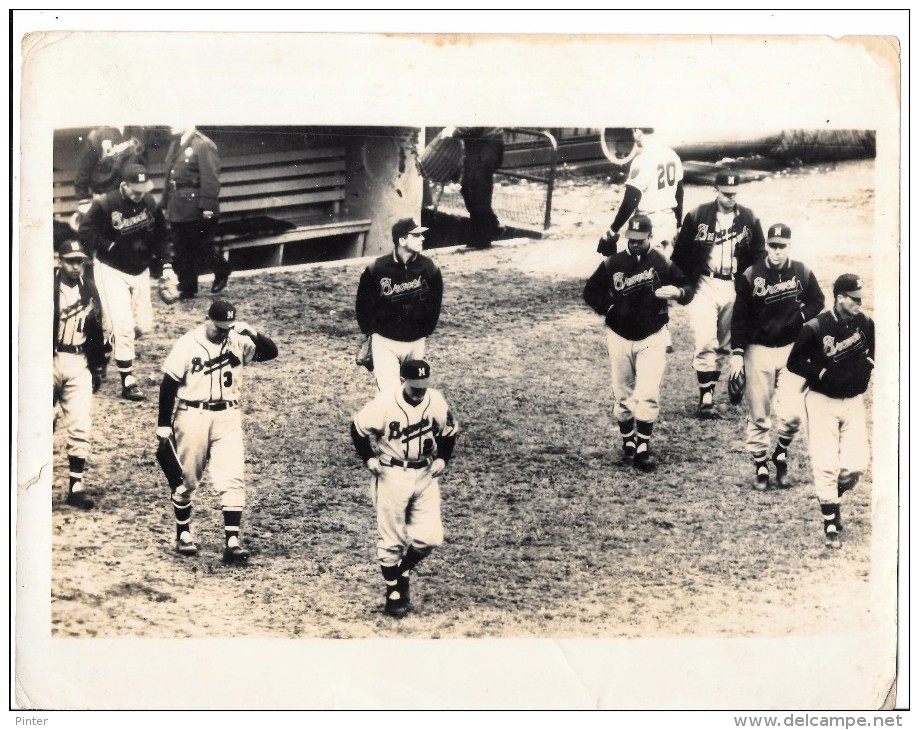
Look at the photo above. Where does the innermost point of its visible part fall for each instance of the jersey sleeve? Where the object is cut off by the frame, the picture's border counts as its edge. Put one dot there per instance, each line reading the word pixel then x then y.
pixel 640 174
pixel 245 346
pixel 447 425
pixel 176 362
pixel 371 419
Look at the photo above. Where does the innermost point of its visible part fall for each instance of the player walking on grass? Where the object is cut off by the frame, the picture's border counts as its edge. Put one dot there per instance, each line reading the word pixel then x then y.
pixel 631 290
pixel 718 241
pixel 203 371
pixel 775 297
pixel 405 437
pixel 79 357
pixel 835 354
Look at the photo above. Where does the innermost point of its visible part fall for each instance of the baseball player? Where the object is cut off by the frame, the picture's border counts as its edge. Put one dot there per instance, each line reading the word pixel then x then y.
pixel 127 233
pixel 654 187
pixel 190 201
pixel 717 242
pixel 774 299
pixel 398 303
pixel 204 371
pixel 834 353
pixel 79 357
pixel 99 162
pixel 631 290
pixel 414 433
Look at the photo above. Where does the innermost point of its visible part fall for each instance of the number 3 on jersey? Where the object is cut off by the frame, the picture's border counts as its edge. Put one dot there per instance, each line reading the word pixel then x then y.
pixel 228 379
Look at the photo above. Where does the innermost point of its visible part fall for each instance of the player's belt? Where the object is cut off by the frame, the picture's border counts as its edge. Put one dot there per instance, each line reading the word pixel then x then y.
pixel 723 277
pixel 211 405
pixel 406 464
pixel 72 349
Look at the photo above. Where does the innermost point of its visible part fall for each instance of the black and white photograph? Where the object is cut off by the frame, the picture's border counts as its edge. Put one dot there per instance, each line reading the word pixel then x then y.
pixel 430 371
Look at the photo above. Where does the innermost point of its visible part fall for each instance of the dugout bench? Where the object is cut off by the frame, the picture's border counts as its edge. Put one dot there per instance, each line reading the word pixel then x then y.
pixel 269 203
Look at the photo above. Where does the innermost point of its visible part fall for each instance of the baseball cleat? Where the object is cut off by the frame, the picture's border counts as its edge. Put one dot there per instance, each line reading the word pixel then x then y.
pixel 235 554
pixel 781 473
pixel 707 412
pixel 644 461
pixel 831 537
pixel 185 545
pixel 403 588
pixel 762 478
pixel 628 453
pixel 132 392
pixel 79 500
pixel 396 605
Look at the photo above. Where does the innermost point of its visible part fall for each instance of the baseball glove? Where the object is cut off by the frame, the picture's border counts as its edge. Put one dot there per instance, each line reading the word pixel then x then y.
pixel 736 385
pixel 607 243
pixel 364 356
pixel 168 289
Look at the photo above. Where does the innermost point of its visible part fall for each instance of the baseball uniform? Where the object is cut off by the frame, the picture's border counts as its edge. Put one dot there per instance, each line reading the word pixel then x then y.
pixel 622 290
pixel 204 372
pixel 79 356
pixel 103 152
pixel 772 305
pixel 834 353
pixel 128 237
pixel 713 248
pixel 398 306
pixel 411 437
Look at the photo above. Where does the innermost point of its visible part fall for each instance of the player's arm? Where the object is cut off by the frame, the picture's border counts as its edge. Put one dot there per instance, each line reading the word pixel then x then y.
pixel 165 251
pixel 678 210
pixel 363 306
pixel 813 298
pixel 682 247
pixel 740 317
pixel 597 293
pixel 437 294
pixel 627 207
pixel 169 389
pixel 679 280
pixel 364 447
pixel 265 349
pixel 869 334
pixel 94 231
pixel 82 179
pixel 802 360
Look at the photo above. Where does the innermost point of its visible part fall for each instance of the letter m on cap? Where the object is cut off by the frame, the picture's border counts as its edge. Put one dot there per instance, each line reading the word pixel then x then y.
pixel 732 180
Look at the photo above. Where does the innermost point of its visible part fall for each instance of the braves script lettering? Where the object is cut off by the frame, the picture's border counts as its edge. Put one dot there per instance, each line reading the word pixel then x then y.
pixel 831 347
pixel 387 288
pixel 762 289
pixel 621 282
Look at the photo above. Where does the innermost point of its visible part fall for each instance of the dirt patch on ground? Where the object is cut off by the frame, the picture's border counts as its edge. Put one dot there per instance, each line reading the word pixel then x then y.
pixel 546 535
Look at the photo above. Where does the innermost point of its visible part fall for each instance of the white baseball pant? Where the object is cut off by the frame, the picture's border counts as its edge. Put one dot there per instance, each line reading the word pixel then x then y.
pixel 637 370
pixel 663 230
pixel 838 436
pixel 126 308
pixel 388 356
pixel 73 389
pixel 212 440
pixel 710 314
pixel 771 389
pixel 407 503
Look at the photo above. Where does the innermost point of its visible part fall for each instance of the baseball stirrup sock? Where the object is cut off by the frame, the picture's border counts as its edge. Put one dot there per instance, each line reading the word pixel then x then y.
pixel 644 429
pixel 125 370
pixel 627 431
pixel 76 465
pixel 830 514
pixel 183 517
pixel 231 522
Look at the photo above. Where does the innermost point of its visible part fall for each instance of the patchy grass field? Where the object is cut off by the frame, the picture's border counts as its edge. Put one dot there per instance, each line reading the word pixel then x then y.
pixel 547 536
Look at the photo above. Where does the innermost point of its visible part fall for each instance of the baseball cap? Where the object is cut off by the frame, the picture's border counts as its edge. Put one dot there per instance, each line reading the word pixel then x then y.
pixel 137 177
pixel 71 250
pixel 222 314
pixel 779 233
pixel 639 227
pixel 417 373
pixel 405 226
pixel 849 284
pixel 728 181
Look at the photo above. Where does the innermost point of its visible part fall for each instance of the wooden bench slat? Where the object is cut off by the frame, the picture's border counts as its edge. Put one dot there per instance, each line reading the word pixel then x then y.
pixel 272 158
pixel 280 201
pixel 274 187
pixel 319 229
pixel 276 172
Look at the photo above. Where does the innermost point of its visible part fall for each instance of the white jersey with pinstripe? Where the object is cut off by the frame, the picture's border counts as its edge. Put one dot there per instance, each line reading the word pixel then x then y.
pixel 405 431
pixel 208 371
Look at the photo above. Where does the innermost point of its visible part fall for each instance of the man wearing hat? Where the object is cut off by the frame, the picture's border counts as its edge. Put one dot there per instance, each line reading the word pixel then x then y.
pixel 834 353
pixel 199 409
pixel 775 297
pixel 128 234
pixel 717 242
pixel 190 194
pixel 398 303
pixel 405 437
pixel 105 150
pixel 79 358
pixel 631 290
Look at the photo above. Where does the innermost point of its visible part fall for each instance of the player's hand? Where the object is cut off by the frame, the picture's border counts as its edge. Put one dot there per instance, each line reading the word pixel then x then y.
pixel 607 243
pixel 437 467
pixel 244 328
pixel 373 466
pixel 83 207
pixel 97 380
pixel 208 215
pixel 164 432
pixel 736 364
pixel 669 291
